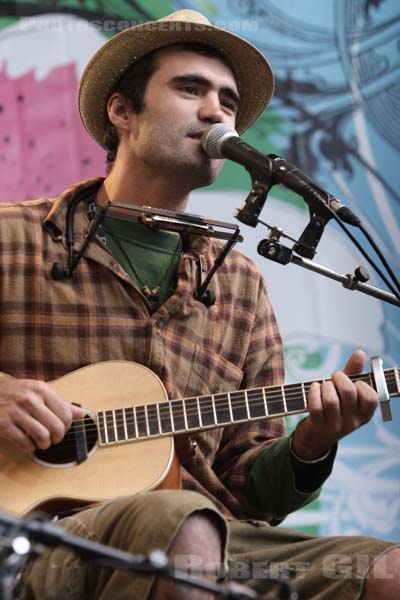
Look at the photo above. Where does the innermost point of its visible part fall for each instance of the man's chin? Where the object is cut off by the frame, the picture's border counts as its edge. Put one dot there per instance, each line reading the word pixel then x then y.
pixel 204 177
pixel 210 170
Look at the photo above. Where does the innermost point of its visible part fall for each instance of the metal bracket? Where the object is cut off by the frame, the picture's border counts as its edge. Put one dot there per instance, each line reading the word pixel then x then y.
pixel 381 387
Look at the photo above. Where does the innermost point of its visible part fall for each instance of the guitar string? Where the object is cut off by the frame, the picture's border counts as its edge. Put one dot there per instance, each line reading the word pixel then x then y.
pixel 256 402
pixel 257 395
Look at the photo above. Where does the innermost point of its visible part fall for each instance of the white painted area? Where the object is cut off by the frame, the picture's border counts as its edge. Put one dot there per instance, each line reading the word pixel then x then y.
pixel 45 42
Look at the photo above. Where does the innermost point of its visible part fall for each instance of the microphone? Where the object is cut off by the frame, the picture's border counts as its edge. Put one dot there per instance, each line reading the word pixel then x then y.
pixel 219 141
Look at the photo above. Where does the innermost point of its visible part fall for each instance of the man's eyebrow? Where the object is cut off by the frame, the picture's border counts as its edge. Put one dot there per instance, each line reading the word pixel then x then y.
pixel 199 79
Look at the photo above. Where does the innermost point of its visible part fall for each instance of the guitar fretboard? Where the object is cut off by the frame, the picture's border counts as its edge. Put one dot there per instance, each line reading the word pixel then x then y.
pixel 215 410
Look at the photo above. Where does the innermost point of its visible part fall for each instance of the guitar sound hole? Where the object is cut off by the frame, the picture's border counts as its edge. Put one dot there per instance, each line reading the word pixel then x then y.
pixel 65 451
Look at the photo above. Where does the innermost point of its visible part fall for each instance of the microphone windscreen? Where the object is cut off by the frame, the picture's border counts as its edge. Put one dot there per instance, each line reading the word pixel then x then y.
pixel 213 139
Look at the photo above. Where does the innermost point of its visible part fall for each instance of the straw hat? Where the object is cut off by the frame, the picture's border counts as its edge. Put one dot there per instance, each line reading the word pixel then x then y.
pixel 252 71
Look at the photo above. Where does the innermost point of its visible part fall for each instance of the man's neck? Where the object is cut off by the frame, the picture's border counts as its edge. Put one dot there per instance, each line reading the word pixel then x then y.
pixel 142 190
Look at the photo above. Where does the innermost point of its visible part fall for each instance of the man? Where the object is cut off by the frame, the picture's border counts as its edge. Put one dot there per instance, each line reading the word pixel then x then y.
pixel 147 96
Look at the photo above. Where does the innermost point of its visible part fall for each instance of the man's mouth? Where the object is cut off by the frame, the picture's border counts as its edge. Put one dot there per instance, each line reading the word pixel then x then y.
pixel 197 135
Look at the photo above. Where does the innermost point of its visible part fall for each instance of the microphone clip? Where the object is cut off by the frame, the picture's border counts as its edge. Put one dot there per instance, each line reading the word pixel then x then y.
pixel 249 211
pixel 273 249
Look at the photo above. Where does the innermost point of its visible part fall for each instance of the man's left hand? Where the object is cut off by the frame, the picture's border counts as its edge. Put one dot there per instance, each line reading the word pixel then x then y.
pixel 336 408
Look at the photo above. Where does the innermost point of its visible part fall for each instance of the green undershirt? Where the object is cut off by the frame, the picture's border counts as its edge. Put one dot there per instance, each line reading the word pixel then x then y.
pixel 149 256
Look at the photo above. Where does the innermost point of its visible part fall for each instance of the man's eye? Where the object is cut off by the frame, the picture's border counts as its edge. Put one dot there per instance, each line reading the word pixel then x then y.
pixel 189 89
pixel 229 104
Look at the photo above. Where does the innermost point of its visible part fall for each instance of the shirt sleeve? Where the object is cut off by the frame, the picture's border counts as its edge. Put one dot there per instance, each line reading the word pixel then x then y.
pixel 242 444
pixel 254 461
pixel 279 484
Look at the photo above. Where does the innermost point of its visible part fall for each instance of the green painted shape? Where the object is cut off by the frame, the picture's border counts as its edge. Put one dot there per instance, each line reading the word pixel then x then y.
pixel 157 9
pixel 119 8
pixel 312 360
pixel 7 21
pixel 313 529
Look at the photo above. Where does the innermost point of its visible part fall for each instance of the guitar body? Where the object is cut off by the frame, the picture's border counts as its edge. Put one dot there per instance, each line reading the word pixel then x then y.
pixel 125 446
pixel 30 483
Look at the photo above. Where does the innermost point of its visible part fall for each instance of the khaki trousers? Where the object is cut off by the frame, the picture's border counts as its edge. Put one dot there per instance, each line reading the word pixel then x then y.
pixel 323 568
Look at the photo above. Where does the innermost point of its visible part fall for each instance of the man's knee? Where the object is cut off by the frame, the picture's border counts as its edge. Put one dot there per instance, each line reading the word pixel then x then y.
pixel 197 550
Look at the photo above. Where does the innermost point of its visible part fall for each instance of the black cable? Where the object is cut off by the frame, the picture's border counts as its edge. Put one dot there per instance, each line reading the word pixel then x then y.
pixel 381 256
pixel 360 248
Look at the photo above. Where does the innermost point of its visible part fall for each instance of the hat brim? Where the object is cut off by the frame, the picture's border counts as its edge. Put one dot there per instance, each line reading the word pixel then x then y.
pixel 252 72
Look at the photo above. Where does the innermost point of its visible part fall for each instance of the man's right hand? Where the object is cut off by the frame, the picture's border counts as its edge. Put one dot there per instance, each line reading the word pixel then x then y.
pixel 32 415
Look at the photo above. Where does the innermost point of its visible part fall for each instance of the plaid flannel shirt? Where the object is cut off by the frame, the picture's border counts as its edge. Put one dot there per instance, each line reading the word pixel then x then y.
pixel 48 328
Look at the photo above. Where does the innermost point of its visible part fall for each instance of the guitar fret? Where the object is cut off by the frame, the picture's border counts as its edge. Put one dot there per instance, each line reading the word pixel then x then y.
pixel 115 426
pixel 230 407
pixel 284 397
pixel 199 411
pixel 184 415
pixel 158 418
pixel 171 417
pixel 247 403
pixel 135 422
pixel 304 395
pixel 396 381
pixel 124 423
pixel 146 419
pixel 265 402
pixel 213 408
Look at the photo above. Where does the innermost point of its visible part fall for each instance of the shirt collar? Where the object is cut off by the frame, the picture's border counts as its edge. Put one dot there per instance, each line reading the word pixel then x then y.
pixel 55 221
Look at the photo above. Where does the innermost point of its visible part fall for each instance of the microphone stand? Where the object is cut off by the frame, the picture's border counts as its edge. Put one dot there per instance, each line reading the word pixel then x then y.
pixel 272 249
pixel 15 548
pixel 320 214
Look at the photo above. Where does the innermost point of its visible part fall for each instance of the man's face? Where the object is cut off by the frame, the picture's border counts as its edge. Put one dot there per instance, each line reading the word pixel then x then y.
pixel 187 94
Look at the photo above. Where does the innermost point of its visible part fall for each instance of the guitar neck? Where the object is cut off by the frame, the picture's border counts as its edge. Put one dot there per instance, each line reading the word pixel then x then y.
pixel 215 410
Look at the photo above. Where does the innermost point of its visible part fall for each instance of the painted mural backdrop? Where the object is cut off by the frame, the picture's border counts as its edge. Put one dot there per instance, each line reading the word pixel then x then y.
pixel 335 113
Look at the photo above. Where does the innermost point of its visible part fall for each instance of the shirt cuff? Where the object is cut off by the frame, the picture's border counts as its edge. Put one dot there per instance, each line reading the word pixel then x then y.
pixel 310 475
pixel 278 484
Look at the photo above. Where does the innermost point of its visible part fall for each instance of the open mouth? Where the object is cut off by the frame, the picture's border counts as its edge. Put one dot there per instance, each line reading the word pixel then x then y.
pixel 196 135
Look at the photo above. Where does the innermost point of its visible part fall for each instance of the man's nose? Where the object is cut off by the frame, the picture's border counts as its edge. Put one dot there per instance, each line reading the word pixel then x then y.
pixel 210 109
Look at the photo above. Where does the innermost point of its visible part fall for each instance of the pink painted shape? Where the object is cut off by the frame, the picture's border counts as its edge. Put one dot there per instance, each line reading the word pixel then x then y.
pixel 44 147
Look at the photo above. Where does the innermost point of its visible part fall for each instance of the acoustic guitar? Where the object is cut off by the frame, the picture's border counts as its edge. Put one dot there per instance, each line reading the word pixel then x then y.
pixel 125 443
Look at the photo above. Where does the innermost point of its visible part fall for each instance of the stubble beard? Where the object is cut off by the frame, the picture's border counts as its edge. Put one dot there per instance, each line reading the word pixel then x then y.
pixel 185 169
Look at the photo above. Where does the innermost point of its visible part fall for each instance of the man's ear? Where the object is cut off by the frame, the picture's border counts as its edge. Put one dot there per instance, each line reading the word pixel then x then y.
pixel 119 112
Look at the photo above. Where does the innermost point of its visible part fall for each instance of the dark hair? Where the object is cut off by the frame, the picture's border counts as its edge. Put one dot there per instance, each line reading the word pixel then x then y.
pixel 133 83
